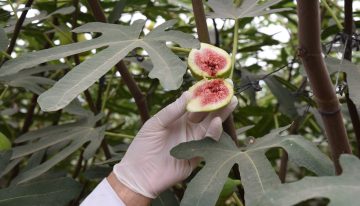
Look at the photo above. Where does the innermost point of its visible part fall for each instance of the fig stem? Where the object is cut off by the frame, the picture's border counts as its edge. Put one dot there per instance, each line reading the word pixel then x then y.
pixel 4 92
pixel 235 46
pixel 107 91
pixel 333 15
pixel 179 49
pixel 119 135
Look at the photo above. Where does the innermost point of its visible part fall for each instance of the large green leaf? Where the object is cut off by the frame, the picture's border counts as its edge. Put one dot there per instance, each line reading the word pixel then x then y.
pixel 248 8
pixel 3 40
pixel 341 190
pixel 117 11
pixel 4 159
pixel 353 75
pixel 168 68
pixel 71 135
pixel 166 198
pixel 285 98
pixel 257 174
pixel 26 78
pixel 54 192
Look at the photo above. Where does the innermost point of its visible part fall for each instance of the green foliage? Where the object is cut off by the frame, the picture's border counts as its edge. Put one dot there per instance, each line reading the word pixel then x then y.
pixel 5 143
pixel 62 58
pixel 120 40
pixel 3 40
pixel 28 80
pixel 64 139
pixel 43 192
pixel 353 74
pixel 258 176
pixel 247 8
pixel 312 187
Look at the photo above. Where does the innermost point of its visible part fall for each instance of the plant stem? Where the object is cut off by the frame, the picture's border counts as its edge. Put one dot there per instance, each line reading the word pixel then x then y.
pixel 4 92
pixel 30 114
pixel 333 15
pixel 179 49
pixel 295 125
pixel 237 200
pixel 276 120
pixel 326 99
pixel 13 9
pixel 235 46
pixel 60 31
pixel 354 115
pixel 107 91
pixel 112 134
pixel 18 26
pixel 6 55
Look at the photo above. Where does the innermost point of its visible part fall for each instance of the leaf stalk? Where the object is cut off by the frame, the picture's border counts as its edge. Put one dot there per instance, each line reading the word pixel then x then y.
pixel 235 46
pixel 333 15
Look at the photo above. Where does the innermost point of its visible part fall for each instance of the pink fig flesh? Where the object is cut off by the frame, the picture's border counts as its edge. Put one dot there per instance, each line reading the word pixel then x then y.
pixel 211 92
pixel 210 61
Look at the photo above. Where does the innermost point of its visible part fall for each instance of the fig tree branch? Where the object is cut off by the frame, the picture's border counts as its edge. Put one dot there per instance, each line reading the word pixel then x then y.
pixel 354 115
pixel 200 21
pixel 295 125
pixel 324 92
pixel 17 28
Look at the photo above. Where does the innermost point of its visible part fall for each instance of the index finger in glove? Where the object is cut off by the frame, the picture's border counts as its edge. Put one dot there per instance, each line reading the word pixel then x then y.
pixel 173 111
pixel 222 113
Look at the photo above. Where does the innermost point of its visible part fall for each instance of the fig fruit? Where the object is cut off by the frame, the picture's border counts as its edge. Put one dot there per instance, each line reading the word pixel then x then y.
pixel 209 95
pixel 209 62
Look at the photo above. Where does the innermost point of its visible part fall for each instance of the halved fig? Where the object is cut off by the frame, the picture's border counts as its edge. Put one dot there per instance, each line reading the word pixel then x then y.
pixel 209 62
pixel 209 95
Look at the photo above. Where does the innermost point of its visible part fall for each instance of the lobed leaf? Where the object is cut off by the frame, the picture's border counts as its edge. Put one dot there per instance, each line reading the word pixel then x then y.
pixel 341 190
pixel 285 98
pixel 120 40
pixel 25 78
pixel 70 137
pixel 353 75
pixel 258 176
pixel 4 41
pixel 56 192
pixel 248 8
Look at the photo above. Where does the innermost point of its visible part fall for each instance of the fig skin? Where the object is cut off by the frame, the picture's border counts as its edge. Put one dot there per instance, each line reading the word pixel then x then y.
pixel 194 104
pixel 200 74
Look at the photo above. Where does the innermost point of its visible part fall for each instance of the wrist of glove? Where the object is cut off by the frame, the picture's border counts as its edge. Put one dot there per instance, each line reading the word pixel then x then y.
pixel 147 167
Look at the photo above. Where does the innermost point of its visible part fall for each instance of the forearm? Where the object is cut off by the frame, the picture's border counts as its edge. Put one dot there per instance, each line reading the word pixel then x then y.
pixel 129 197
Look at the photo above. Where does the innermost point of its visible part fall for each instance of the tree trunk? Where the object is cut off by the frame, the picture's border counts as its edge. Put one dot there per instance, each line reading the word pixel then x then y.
pixel 324 92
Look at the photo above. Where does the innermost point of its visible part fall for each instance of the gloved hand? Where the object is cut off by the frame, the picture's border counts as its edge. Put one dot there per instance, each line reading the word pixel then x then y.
pixel 147 167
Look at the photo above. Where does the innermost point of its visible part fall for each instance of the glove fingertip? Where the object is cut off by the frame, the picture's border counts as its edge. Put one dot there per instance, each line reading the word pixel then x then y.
pixel 215 129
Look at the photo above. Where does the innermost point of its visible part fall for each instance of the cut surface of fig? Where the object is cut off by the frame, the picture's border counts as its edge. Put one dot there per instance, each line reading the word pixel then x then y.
pixel 210 95
pixel 209 61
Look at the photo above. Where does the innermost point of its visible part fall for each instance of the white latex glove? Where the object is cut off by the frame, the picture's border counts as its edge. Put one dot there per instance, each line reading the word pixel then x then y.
pixel 147 167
